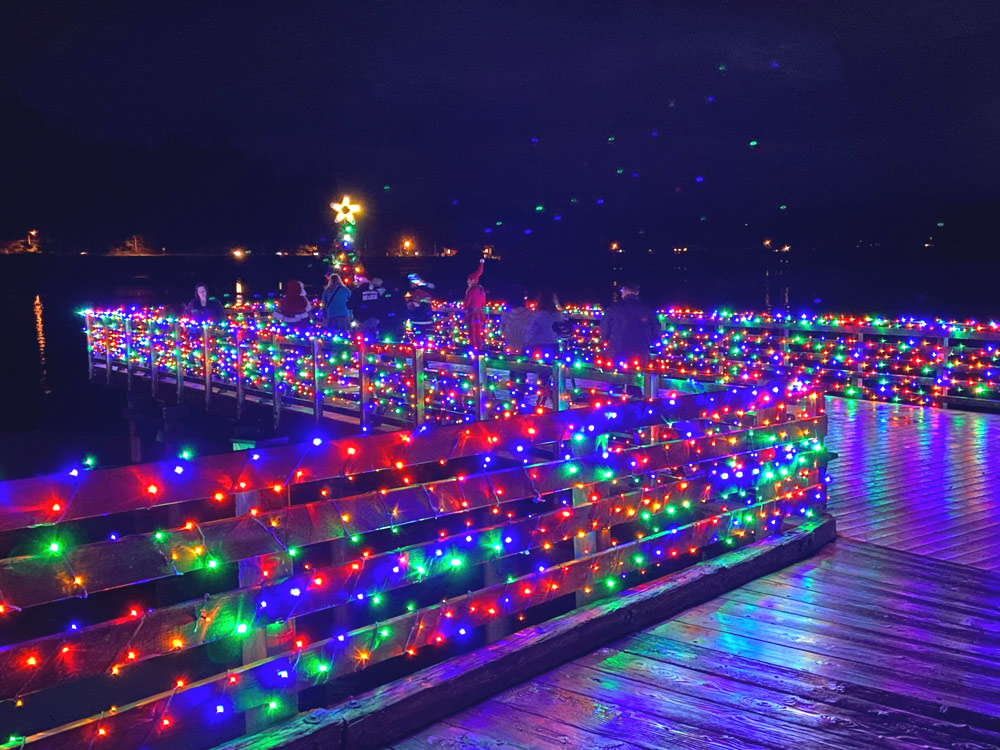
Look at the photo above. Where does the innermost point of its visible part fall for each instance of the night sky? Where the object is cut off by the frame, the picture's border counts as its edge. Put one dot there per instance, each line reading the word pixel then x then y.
pixel 204 125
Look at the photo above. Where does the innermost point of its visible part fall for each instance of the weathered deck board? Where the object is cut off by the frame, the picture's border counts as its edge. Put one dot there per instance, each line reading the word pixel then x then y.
pixel 859 646
pixel 920 480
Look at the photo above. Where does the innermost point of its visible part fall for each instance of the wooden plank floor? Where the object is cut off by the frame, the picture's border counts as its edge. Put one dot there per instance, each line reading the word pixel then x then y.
pixel 918 480
pixel 858 647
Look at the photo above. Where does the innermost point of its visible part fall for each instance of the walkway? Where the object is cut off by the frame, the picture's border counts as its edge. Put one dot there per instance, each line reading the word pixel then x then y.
pixel 858 647
pixel 919 480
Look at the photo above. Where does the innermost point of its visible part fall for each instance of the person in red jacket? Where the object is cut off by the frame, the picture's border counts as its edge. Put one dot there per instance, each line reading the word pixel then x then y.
pixel 474 306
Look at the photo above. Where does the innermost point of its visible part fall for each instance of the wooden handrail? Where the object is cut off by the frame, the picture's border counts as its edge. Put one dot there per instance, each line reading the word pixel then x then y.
pixel 942 368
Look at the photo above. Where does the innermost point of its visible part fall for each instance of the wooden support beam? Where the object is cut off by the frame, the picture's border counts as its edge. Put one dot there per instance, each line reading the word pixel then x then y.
pixel 560 396
pixel 107 355
pixel 154 375
pixel 276 359
pixel 419 385
pixel 482 381
pixel 206 343
pixel 941 368
pixel 317 347
pixel 240 388
pixel 364 396
pixel 128 353
pixel 89 322
pixel 650 385
pixel 178 362
pixel 594 541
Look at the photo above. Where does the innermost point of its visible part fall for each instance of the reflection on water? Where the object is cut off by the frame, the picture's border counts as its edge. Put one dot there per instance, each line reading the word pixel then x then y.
pixel 40 339
pixel 776 279
pixel 680 275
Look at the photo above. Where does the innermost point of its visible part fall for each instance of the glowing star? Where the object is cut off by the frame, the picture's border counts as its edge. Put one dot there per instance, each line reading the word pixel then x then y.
pixel 345 210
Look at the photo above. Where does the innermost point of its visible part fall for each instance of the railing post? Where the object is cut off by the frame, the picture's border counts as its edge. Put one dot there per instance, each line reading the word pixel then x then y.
pixel 240 394
pixel 942 368
pixel 650 385
pixel 206 344
pixel 560 396
pixel 317 385
pixel 178 361
pixel 363 396
pixel 107 356
pixel 419 386
pixel 481 380
pixel 593 541
pixel 128 353
pixel 154 376
pixel 859 381
pixel 276 381
pixel 90 345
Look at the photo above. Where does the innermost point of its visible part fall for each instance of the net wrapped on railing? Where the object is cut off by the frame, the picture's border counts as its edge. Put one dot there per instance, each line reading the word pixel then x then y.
pixel 185 602
pixel 927 363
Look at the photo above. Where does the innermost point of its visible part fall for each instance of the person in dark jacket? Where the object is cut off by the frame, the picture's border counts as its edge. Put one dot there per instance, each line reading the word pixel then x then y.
pixel 392 312
pixel 368 299
pixel 629 327
pixel 202 308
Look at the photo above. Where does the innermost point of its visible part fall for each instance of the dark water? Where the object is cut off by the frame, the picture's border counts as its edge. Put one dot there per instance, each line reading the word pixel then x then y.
pixel 53 417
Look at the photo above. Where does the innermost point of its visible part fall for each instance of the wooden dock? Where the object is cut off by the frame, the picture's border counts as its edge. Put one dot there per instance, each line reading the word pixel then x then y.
pixel 859 647
pixel 917 480
pixel 474 552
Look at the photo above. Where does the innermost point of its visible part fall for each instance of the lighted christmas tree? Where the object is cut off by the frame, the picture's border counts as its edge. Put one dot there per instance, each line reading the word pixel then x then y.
pixel 344 258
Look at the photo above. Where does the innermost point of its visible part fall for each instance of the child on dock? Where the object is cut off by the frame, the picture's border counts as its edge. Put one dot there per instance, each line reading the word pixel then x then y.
pixel 474 306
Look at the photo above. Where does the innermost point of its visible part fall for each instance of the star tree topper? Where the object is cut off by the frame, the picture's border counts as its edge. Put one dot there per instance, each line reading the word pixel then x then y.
pixel 345 210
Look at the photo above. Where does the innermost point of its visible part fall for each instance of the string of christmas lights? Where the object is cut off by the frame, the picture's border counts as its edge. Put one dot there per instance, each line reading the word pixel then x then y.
pixel 666 479
pixel 928 363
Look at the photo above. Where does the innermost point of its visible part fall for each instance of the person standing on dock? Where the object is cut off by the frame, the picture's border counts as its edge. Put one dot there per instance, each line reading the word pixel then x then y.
pixel 392 312
pixel 336 313
pixel 474 306
pixel 629 327
pixel 293 307
pixel 541 340
pixel 513 321
pixel 370 304
pixel 541 332
pixel 202 308
pixel 418 306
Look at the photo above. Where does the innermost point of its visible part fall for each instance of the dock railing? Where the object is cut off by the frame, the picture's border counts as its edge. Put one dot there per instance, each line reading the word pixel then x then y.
pixel 935 364
pixel 374 383
pixel 184 603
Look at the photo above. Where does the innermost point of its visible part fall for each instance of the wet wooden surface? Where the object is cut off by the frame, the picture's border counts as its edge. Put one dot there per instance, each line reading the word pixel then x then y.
pixel 919 480
pixel 859 646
